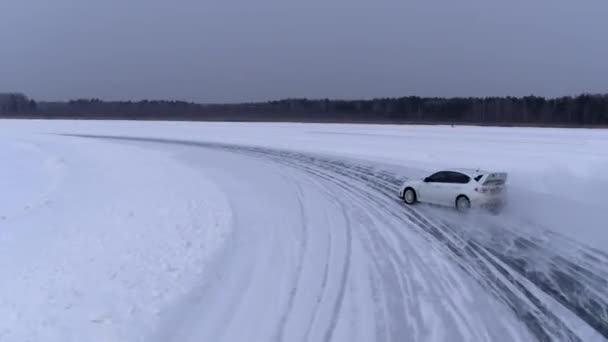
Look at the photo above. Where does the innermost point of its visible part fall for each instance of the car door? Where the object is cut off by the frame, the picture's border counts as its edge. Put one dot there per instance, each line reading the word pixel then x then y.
pixel 433 188
pixel 453 187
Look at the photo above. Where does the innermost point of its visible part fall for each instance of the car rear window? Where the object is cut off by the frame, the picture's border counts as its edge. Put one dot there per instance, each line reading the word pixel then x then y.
pixel 478 178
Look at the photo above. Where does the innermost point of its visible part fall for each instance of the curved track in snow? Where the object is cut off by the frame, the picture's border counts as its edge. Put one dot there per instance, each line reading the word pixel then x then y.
pixel 324 251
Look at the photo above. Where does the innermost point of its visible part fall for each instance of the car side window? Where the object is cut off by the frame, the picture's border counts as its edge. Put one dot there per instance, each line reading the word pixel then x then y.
pixel 439 177
pixel 458 178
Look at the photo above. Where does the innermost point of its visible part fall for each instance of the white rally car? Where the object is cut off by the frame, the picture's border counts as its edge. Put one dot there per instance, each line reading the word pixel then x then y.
pixel 459 188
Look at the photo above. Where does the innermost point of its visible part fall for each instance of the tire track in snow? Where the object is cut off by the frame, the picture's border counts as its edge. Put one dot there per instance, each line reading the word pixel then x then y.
pixel 540 320
pixel 345 273
pixel 543 326
pixel 596 321
pixel 381 250
pixel 355 197
pixel 280 335
pixel 508 275
pixel 323 292
pixel 347 187
pixel 345 259
pixel 596 318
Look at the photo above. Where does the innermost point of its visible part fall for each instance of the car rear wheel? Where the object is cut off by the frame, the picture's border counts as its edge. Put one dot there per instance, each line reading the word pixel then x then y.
pixel 409 196
pixel 463 204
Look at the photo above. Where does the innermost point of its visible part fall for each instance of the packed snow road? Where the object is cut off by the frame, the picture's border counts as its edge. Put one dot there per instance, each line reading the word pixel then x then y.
pixel 324 251
pixel 121 231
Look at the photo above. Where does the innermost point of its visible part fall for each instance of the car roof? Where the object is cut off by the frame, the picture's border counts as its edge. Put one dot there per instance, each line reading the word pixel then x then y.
pixel 469 172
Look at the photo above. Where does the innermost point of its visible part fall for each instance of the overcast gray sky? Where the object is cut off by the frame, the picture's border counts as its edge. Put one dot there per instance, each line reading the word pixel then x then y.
pixel 244 50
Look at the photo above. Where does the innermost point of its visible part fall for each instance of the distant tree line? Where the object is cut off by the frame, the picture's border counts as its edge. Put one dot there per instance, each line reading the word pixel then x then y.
pixel 16 103
pixel 583 110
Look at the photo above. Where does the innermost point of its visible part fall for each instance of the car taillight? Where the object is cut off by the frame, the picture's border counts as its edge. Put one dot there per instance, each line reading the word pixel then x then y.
pixel 481 190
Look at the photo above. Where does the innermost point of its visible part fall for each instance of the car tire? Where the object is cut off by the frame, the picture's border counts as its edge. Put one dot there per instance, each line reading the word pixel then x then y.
pixel 409 196
pixel 463 204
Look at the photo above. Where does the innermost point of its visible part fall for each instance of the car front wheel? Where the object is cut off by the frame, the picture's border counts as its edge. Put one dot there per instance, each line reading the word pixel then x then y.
pixel 409 196
pixel 463 203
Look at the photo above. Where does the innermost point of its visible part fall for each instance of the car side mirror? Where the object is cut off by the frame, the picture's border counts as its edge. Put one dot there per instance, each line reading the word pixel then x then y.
pixel 427 179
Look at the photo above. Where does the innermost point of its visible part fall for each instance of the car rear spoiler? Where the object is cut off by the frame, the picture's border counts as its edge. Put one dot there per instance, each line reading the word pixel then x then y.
pixel 496 177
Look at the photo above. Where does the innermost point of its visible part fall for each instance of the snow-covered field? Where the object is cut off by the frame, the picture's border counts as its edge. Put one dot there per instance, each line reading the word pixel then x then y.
pixel 149 231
